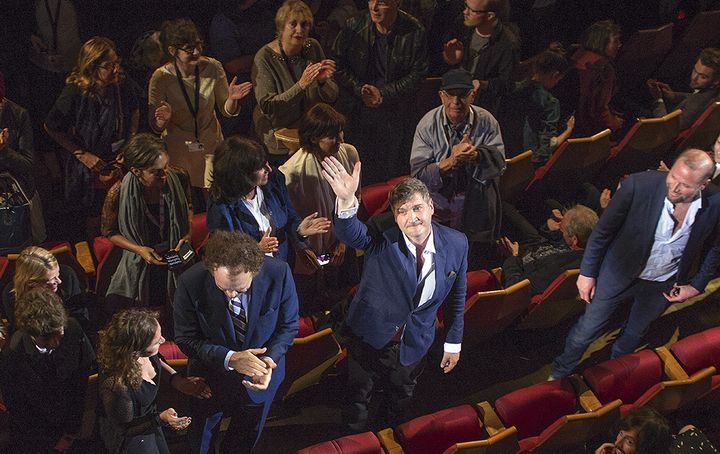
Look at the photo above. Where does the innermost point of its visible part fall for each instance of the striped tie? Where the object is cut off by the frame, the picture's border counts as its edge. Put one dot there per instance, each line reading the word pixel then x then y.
pixel 239 316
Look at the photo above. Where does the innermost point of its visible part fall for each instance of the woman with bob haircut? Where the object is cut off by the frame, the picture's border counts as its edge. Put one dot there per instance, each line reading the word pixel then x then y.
pixel 147 214
pixel 130 373
pixel 37 267
pixel 183 95
pixel 291 74
pixel 44 370
pixel 94 115
pixel 321 135
pixel 247 195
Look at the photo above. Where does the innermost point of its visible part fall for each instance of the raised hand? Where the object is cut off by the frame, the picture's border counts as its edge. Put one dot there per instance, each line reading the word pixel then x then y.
pixel 327 69
pixel 163 113
pixel 237 91
pixel 268 244
pixel 310 73
pixel 343 184
pixel 453 51
pixel 313 225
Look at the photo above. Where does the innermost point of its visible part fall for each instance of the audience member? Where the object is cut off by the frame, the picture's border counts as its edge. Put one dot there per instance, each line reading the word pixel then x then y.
pixel 329 17
pixel 458 153
pixel 487 48
pixel 290 74
pixel 94 115
pixel 539 259
pixel 530 114
pixel 643 430
pixel 130 375
pixel 247 195
pixel 382 58
pixel 389 335
pixel 236 314
pixel 705 83
pixel 321 135
pixel 590 89
pixel 653 244
pixel 146 214
pixel 44 374
pixel 17 158
pixel 716 158
pixel 36 267
pixel 183 94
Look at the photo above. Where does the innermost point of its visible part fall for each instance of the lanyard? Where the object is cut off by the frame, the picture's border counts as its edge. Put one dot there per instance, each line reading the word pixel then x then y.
pixel 286 60
pixel 53 21
pixel 193 111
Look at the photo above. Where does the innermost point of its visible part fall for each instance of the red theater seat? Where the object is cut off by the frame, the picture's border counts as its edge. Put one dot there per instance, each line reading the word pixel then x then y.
pixel 698 352
pixel 364 443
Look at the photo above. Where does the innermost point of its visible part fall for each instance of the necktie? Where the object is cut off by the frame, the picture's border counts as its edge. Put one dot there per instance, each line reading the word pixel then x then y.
pixel 239 316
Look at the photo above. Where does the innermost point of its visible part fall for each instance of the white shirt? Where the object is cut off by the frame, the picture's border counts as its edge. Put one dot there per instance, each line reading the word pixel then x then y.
pixel 668 247
pixel 256 207
pixel 428 269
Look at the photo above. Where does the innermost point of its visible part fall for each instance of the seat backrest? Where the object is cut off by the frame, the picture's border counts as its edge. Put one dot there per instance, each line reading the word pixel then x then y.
pixel 434 433
pixel 522 408
pixel 642 53
pixel 559 301
pixel 374 197
pixel 200 231
pixel 625 378
pixel 698 351
pixel 306 360
pixel 488 313
pixel 362 443
pixel 704 130
pixel 503 442
pixel 650 138
pixel 517 175
pixel 579 157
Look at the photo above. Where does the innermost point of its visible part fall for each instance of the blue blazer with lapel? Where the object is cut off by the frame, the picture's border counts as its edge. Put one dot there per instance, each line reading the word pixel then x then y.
pixel 620 244
pixel 205 333
pixel 384 300
pixel 236 216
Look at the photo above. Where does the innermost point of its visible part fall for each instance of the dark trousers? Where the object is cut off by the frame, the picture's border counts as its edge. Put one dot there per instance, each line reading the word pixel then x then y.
pixel 368 367
pixel 246 420
pixel 648 303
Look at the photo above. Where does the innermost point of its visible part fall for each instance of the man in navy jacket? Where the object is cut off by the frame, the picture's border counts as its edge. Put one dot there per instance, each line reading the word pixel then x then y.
pixel 236 314
pixel 410 269
pixel 655 243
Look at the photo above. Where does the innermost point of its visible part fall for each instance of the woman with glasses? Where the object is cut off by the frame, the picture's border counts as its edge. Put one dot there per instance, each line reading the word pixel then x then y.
pixel 291 74
pixel 321 135
pixel 146 214
pixel 94 115
pixel 183 95
pixel 247 195
pixel 37 267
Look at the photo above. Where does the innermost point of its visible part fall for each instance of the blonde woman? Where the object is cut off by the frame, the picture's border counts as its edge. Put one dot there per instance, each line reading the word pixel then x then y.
pixel 91 119
pixel 291 74
pixel 130 372
pixel 183 95
pixel 37 267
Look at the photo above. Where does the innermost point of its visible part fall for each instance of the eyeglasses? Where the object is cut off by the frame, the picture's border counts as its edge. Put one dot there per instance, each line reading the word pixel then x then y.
pixel 477 11
pixel 110 66
pixel 189 48
pixel 459 93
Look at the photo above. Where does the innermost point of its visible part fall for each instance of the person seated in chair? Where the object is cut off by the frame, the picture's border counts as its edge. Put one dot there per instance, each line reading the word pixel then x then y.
pixel 705 83
pixel 44 374
pixel 546 261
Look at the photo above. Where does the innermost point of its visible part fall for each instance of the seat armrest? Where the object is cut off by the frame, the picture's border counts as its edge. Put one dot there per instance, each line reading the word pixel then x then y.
pixel 388 442
pixel 671 366
pixel 489 418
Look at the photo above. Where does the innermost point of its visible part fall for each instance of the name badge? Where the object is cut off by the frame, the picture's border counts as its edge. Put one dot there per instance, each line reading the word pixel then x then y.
pixel 195 147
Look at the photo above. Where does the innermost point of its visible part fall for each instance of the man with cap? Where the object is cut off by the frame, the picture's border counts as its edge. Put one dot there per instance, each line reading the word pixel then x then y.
pixel 458 153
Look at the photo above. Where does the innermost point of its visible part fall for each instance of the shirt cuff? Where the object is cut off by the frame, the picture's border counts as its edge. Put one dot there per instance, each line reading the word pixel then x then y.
pixel 227 360
pixel 348 212
pixel 451 348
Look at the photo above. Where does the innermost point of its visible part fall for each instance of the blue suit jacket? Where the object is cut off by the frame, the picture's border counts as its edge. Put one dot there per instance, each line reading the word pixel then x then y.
pixel 236 216
pixel 384 300
pixel 205 333
pixel 620 244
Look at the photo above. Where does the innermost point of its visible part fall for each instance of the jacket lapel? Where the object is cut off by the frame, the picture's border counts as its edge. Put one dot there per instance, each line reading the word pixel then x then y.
pixel 216 310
